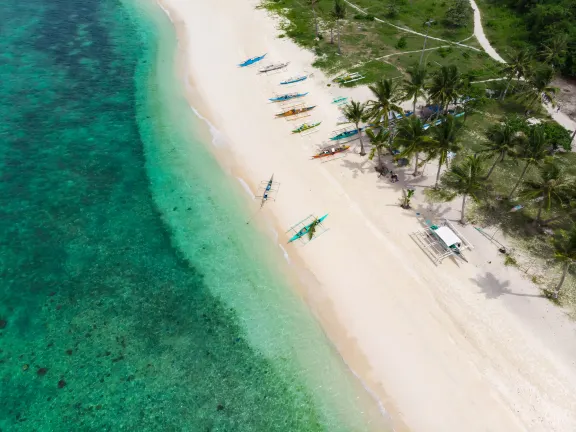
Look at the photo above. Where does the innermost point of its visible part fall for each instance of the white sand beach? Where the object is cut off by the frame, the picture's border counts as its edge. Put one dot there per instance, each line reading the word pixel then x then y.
pixel 448 348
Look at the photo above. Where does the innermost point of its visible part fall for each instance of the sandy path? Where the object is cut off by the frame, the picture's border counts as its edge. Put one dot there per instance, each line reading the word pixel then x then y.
pixel 479 33
pixel 450 348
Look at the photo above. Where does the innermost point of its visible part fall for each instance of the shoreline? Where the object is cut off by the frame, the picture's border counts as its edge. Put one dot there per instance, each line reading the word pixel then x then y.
pixel 299 277
pixel 343 332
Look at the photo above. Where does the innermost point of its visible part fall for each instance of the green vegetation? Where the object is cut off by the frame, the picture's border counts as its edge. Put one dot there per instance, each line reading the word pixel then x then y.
pixel 356 113
pixel 519 175
pixel 359 42
pixel 546 26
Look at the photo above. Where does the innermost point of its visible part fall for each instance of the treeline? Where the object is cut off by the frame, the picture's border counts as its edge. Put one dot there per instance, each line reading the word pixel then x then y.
pixel 551 25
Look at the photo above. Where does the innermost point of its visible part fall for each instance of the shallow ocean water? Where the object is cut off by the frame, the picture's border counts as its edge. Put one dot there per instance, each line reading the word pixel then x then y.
pixel 132 293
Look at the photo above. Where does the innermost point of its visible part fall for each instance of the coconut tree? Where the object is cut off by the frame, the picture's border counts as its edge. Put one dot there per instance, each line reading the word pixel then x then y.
pixel 415 87
pixel 445 140
pixel 504 139
pixel 312 229
pixel 518 67
pixel 356 112
pixel 411 137
pixel 554 50
pixel 446 86
pixel 386 96
pixel 539 88
pixel 552 186
pixel 466 179
pixel 380 141
pixel 313 4
pixel 339 13
pixel 534 152
pixel 565 253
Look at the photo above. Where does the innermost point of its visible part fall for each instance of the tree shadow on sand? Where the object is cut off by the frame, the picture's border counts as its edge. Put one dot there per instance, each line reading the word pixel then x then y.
pixel 494 288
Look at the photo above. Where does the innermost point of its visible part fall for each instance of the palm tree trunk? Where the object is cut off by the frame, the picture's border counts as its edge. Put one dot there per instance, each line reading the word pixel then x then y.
pixel 559 286
pixel 506 89
pixel 462 214
pixel 379 151
pixel 492 169
pixel 362 152
pixel 416 165
pixel 315 22
pixel 519 180
pixel 332 36
pixel 438 173
pixel 339 50
pixel 414 105
pixel 539 215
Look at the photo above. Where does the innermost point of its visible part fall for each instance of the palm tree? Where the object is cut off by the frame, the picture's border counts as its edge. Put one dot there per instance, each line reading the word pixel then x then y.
pixel 534 152
pixel 539 88
pixel 517 68
pixel 565 253
pixel 339 13
pixel 504 141
pixel 466 179
pixel 313 4
pixel 446 86
pixel 386 95
pixel 415 87
pixel 379 141
pixel 445 138
pixel 312 229
pixel 554 51
pixel 412 137
pixel 355 112
pixel 553 186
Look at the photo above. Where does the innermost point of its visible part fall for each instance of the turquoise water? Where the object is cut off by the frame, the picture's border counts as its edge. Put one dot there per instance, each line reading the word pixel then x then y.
pixel 133 296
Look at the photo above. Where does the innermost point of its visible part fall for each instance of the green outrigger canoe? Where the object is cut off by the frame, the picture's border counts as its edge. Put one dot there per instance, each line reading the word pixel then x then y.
pixel 306 126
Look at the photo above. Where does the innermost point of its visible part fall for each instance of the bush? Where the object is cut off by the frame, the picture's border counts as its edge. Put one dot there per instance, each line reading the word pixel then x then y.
pixel 466 54
pixel 443 52
pixel 557 135
pixel 459 14
pixel 392 10
pixel 401 44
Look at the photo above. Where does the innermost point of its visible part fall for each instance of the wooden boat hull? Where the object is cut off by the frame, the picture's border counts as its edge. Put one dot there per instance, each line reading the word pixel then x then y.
pixel 252 60
pixel 296 111
pixel 307 128
pixel 336 151
pixel 343 135
pixel 295 80
pixel 288 97
pixel 272 68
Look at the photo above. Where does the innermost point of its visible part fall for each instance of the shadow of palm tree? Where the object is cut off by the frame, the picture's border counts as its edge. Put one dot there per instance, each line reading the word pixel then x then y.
pixel 357 167
pixel 494 288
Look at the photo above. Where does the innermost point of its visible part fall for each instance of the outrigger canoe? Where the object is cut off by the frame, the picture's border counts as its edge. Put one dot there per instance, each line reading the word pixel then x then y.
pixel 287 96
pixel 252 60
pixel 295 111
pixel 305 230
pixel 267 191
pixel 273 67
pixel 331 151
pixel 295 79
pixel 306 126
pixel 345 134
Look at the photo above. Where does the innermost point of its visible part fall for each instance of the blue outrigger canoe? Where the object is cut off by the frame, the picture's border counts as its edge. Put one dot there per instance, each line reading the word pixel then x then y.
pixel 287 96
pixel 293 80
pixel 305 230
pixel 345 134
pixel 252 60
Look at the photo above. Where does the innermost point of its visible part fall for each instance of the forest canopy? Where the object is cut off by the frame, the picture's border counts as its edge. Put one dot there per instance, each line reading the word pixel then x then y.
pixel 551 26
